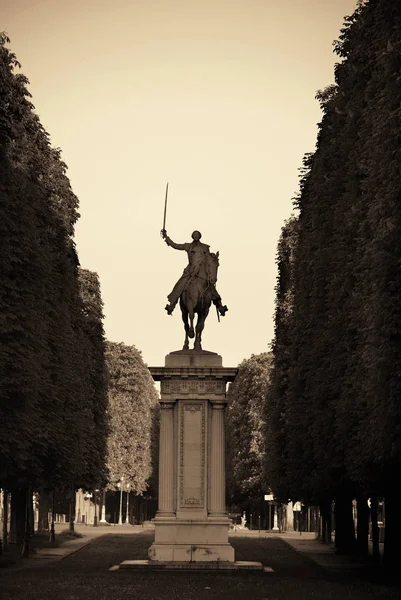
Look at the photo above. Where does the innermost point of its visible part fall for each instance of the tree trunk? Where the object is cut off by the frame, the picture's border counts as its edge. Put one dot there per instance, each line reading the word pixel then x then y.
pixel 18 510
pixel 375 531
pixel 5 519
pixel 325 515
pixel 31 517
pixel 52 533
pixel 392 537
pixel 72 509
pixel 27 532
pixel 329 522
pixel 316 521
pixel 322 524
pixel 345 530
pixel 362 538
pixel 44 507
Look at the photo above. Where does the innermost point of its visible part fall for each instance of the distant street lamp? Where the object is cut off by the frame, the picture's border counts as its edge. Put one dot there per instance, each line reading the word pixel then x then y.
pixel 120 487
pixel 127 517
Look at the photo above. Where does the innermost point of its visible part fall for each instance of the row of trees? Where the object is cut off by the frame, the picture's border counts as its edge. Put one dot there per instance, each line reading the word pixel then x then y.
pixel 333 410
pixel 132 444
pixel 245 444
pixel 52 379
pixel 67 421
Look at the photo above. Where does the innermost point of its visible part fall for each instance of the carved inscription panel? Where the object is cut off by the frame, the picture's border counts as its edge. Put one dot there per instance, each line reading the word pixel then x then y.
pixel 192 455
pixel 193 386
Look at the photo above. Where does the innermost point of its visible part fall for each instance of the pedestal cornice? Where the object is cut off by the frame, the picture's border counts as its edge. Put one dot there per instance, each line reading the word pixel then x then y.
pixel 225 373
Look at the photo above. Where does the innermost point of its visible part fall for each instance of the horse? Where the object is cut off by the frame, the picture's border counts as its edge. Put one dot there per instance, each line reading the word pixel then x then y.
pixel 197 298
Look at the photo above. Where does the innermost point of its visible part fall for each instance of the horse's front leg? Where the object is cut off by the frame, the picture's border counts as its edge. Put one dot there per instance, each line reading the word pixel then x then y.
pixel 191 315
pixel 200 324
pixel 186 340
pixel 184 314
pixel 198 336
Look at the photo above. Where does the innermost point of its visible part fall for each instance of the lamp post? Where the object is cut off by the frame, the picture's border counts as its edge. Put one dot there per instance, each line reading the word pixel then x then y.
pixel 120 487
pixel 127 517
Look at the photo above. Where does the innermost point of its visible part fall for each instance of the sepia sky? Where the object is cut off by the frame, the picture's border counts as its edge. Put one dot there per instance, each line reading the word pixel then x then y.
pixel 214 96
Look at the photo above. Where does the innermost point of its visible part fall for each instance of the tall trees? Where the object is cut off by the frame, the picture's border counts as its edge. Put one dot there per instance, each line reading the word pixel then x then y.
pixel 377 317
pixel 53 386
pixel 341 415
pixel 245 428
pixel 94 419
pixel 275 462
pixel 132 399
pixel 23 301
pixel 52 389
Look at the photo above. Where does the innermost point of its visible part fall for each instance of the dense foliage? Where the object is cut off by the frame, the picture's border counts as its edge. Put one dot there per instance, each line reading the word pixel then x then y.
pixel 94 414
pixel 338 368
pixel 52 387
pixel 132 406
pixel 274 409
pixel 246 399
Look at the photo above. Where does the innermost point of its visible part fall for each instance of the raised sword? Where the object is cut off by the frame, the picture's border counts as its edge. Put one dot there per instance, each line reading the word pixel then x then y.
pixel 163 231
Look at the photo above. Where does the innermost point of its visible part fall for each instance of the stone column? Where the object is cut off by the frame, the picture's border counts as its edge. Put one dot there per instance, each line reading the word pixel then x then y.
pixel 217 461
pixel 166 461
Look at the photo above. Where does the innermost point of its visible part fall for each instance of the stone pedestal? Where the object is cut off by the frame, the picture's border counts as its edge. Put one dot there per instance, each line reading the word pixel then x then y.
pixel 191 524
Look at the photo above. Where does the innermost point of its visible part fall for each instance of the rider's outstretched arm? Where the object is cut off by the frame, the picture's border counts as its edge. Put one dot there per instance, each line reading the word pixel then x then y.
pixel 170 242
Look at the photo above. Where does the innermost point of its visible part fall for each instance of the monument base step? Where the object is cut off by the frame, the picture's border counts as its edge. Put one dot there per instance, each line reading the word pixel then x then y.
pixel 192 553
pixel 201 566
pixel 191 534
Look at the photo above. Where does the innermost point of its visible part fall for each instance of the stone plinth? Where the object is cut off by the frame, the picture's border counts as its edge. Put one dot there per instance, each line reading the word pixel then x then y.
pixel 191 524
pixel 193 358
pixel 239 565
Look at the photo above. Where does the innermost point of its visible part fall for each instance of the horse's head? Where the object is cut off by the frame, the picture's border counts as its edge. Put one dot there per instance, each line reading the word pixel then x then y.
pixel 213 265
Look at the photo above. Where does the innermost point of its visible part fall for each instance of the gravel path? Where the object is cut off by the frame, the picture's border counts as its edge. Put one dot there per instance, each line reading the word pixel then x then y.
pixel 85 575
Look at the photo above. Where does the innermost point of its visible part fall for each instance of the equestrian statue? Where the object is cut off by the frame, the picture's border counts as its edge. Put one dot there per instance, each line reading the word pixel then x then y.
pixel 196 288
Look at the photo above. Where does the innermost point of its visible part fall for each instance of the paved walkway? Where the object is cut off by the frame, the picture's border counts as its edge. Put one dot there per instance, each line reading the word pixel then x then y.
pixel 69 546
pixel 305 544
pixel 320 553
pixel 81 570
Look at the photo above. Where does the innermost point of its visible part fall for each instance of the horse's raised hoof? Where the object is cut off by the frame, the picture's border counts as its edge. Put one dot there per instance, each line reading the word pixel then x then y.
pixel 191 332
